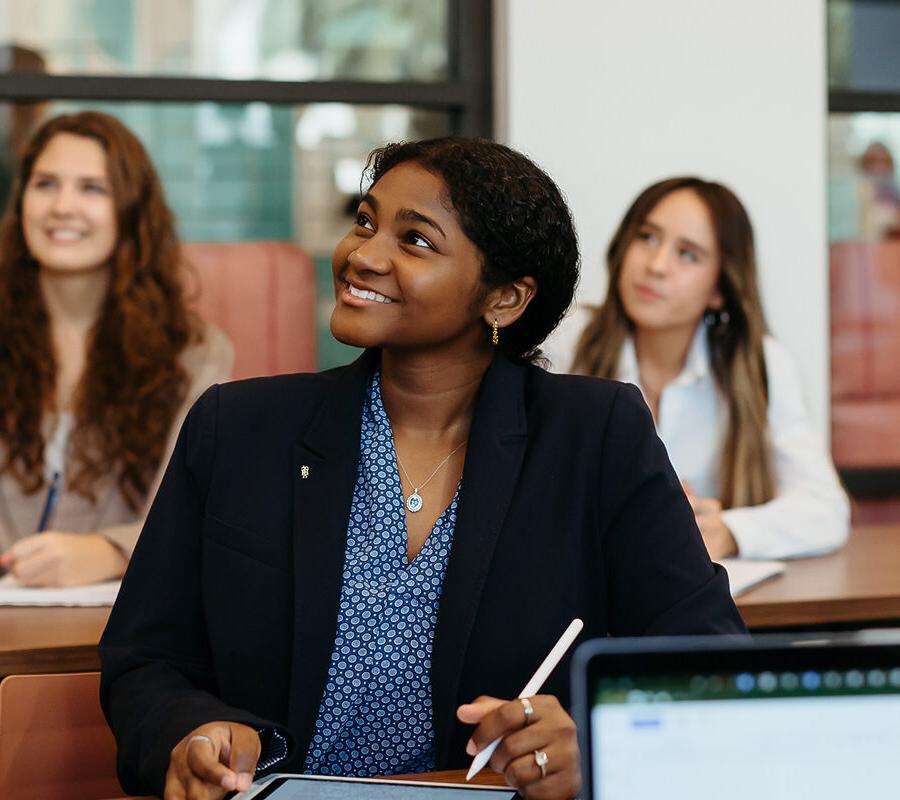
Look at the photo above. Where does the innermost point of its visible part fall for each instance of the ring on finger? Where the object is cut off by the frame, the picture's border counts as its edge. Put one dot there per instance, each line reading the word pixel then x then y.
pixel 198 738
pixel 528 708
pixel 541 759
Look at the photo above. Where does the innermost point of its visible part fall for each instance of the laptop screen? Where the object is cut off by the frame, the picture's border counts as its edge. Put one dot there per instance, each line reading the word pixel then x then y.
pixel 776 722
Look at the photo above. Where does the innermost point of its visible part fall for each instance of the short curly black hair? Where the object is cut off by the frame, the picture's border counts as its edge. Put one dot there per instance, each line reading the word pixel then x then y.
pixel 516 216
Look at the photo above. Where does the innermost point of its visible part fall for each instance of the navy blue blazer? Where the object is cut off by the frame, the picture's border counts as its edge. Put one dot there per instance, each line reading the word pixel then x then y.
pixel 569 507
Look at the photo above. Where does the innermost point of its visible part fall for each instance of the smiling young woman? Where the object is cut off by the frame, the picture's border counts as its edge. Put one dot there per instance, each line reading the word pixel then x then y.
pixel 99 356
pixel 359 567
pixel 683 320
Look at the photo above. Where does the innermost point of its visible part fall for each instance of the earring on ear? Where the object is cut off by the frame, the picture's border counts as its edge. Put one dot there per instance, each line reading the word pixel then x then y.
pixel 495 333
pixel 716 319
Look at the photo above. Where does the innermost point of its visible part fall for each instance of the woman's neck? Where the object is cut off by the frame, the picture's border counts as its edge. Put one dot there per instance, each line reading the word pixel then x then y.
pixel 74 299
pixel 432 397
pixel 74 302
pixel 661 355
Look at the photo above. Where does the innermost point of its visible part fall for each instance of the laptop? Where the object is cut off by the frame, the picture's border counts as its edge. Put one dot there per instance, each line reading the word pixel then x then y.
pixel 732 717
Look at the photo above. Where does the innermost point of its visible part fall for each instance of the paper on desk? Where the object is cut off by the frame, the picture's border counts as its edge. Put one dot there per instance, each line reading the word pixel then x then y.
pixel 744 574
pixel 95 594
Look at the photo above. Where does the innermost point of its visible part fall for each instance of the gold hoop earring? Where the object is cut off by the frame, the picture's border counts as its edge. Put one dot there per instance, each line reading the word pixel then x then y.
pixel 495 333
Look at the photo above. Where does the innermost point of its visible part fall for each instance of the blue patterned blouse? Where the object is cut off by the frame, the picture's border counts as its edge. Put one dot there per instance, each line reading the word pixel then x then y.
pixel 375 715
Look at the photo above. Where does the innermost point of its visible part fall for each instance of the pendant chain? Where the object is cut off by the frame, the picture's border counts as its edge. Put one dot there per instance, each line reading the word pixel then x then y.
pixel 415 492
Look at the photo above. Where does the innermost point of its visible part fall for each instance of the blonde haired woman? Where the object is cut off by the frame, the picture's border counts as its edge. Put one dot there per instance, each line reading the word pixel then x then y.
pixel 683 320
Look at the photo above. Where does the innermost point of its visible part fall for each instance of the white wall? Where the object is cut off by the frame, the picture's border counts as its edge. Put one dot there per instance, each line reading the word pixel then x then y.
pixel 611 95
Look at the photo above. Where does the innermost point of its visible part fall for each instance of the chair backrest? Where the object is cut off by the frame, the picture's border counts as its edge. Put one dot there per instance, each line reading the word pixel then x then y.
pixel 865 353
pixel 54 741
pixel 263 295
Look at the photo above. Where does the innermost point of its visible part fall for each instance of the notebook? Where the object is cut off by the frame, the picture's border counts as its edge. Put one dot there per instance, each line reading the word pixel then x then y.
pixel 94 594
pixel 745 574
pixel 774 717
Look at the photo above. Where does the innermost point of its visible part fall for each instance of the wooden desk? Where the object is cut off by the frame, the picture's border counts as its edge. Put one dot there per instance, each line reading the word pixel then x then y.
pixel 857 586
pixel 50 639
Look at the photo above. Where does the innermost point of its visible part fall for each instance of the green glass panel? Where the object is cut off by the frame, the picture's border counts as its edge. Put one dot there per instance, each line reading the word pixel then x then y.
pixel 388 40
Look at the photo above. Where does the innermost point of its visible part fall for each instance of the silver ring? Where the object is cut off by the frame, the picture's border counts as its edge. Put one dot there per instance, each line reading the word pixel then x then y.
pixel 198 738
pixel 529 709
pixel 541 759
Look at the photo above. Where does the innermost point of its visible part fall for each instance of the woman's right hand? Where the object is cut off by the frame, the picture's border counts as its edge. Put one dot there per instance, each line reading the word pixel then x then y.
pixel 55 558
pixel 212 760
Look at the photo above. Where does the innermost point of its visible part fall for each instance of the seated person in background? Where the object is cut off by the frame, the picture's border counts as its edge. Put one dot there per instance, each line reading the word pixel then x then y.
pixel 879 194
pixel 683 321
pixel 348 569
pixel 99 357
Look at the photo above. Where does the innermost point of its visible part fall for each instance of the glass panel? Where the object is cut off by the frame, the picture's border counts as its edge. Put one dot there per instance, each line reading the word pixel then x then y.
pixel 864 191
pixel 291 40
pixel 863 50
pixel 255 171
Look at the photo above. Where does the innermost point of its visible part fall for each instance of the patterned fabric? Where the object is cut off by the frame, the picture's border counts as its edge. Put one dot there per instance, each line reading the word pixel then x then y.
pixel 375 715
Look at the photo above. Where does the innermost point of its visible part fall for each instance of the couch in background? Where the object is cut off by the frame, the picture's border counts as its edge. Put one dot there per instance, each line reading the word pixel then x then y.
pixel 865 375
pixel 865 354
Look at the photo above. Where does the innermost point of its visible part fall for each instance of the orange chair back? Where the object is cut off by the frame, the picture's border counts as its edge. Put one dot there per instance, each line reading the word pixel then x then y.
pixel 865 354
pixel 263 295
pixel 54 741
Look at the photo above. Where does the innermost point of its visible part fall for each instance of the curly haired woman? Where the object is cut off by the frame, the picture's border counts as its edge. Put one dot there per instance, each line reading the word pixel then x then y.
pixel 354 571
pixel 99 356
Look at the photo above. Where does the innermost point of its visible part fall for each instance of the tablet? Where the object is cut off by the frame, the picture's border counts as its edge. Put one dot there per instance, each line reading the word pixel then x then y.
pixel 321 787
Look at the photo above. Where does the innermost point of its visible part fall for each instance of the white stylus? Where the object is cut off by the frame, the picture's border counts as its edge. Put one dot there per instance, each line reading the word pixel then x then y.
pixel 532 687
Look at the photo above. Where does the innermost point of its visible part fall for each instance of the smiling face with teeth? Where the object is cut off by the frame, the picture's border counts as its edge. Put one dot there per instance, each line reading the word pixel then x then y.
pixel 406 276
pixel 68 213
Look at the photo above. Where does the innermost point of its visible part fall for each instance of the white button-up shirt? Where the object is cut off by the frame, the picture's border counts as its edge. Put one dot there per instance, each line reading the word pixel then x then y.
pixel 809 514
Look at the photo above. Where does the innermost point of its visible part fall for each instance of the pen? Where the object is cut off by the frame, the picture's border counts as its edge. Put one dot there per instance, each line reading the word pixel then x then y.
pixel 50 502
pixel 537 680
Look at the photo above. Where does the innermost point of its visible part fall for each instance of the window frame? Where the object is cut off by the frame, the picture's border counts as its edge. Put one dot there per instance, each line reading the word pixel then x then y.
pixel 467 96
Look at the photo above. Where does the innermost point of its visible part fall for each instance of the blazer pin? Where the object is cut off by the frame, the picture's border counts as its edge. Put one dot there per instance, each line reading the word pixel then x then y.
pixel 304 472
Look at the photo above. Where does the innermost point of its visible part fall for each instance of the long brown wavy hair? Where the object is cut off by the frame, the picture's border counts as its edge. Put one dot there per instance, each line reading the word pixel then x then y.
pixel 133 382
pixel 735 347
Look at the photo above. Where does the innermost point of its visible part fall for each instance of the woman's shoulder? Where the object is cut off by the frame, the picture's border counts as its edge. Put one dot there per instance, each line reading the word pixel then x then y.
pixel 780 365
pixel 787 397
pixel 579 395
pixel 292 391
pixel 209 356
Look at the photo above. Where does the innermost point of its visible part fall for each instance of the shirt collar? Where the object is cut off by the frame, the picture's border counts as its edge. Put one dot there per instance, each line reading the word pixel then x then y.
pixel 696 365
pixel 373 407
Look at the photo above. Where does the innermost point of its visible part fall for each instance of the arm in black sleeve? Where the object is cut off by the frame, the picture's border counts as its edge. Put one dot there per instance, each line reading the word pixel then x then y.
pixel 659 573
pixel 158 682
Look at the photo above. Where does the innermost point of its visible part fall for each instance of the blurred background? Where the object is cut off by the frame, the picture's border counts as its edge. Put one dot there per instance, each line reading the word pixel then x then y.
pixel 259 115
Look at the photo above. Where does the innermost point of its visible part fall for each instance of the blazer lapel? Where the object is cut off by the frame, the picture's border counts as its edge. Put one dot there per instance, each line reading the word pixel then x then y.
pixel 324 466
pixel 496 448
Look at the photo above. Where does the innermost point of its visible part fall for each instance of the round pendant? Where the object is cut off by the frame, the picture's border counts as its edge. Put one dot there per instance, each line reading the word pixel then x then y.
pixel 414 502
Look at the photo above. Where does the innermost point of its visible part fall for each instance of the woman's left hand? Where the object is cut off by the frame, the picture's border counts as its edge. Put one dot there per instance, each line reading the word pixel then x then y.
pixel 716 535
pixel 63 559
pixel 550 732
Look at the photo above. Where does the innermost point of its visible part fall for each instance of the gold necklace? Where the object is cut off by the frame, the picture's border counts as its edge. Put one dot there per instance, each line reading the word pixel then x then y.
pixel 414 502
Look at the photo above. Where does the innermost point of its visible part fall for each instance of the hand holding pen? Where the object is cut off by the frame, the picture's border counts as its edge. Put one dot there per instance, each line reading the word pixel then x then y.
pixel 531 740
pixel 57 558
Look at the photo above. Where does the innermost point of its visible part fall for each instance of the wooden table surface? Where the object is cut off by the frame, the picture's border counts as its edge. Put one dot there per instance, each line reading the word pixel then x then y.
pixel 858 585
pixel 50 639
